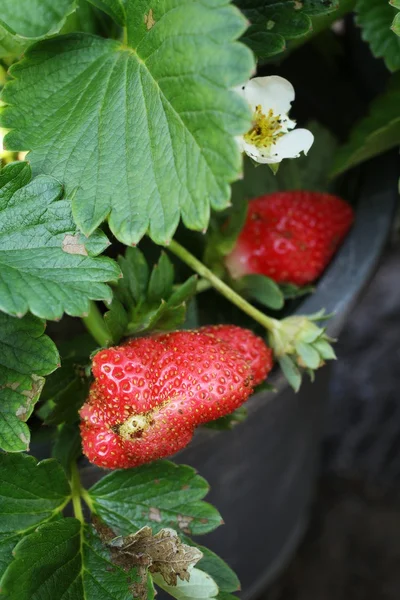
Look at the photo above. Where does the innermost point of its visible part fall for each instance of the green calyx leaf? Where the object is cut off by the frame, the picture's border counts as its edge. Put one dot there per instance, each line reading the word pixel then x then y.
pixel 66 559
pixel 160 495
pixel 273 23
pixel 107 97
pixel 377 132
pixel 26 355
pixel 31 493
pixel 145 301
pixel 23 22
pixel 47 266
pixel 375 17
pixel 300 344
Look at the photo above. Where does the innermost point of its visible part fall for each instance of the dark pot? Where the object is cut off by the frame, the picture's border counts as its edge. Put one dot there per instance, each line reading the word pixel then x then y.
pixel 262 473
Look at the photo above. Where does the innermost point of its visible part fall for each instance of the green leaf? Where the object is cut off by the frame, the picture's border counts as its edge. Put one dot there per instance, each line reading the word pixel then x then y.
pixel 200 586
pixel 23 22
pixel 65 559
pixel 376 133
pixel 26 355
pixel 375 19
pixel 262 289
pixel 274 22
pixel 160 495
pixel 47 266
pixel 114 8
pixel 290 290
pixel 226 596
pixel 31 493
pixel 158 114
pixel 146 301
pixel 68 445
pixel 396 24
pixel 161 280
pixel 224 577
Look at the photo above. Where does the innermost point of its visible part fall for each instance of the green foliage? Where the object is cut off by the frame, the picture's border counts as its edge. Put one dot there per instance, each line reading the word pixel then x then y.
pixel 47 266
pixel 160 495
pixel 273 23
pixel 375 133
pixel 200 586
pixel 67 388
pixel 26 355
pixel 262 289
pixel 65 559
pixel 375 17
pixel 114 8
pixel 107 98
pixel 212 564
pixel 31 493
pixel 22 22
pixel 145 301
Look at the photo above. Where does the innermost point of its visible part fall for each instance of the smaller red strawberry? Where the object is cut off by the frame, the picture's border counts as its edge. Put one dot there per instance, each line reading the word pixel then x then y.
pixel 249 345
pixel 150 394
pixel 290 236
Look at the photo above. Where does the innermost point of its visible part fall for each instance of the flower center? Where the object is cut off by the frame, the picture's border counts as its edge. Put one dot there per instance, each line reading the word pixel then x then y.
pixel 266 129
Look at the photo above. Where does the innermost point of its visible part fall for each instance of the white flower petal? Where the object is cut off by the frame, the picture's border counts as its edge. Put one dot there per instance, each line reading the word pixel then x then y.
pixel 271 92
pixel 291 144
pixel 260 155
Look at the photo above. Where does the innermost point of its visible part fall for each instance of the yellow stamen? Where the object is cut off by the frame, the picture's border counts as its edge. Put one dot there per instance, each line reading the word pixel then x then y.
pixel 266 129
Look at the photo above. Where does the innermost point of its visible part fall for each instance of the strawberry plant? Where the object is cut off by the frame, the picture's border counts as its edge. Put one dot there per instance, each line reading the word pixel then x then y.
pixel 160 214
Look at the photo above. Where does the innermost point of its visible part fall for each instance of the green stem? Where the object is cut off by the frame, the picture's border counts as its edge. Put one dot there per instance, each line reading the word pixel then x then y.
pixel 219 285
pixel 95 325
pixel 88 500
pixel 76 490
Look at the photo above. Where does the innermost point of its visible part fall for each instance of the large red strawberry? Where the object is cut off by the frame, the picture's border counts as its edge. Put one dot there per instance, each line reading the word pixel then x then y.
pixel 290 236
pixel 150 394
pixel 249 345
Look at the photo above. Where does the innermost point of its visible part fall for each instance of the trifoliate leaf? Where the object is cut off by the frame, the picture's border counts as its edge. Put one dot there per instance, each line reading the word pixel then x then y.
pixel 26 355
pixel 146 300
pixel 31 493
pixel 65 559
pixel 375 18
pixel 114 8
pixel 161 494
pixel 200 586
pixel 23 22
pixel 376 133
pixel 159 115
pixel 274 22
pixel 47 266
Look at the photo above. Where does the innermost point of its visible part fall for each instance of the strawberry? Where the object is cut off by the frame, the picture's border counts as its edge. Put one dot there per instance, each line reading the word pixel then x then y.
pixel 150 394
pixel 248 344
pixel 290 236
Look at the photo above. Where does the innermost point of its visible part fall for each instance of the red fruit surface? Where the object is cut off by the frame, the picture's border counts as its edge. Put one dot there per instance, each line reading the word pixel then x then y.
pixel 249 345
pixel 290 236
pixel 150 394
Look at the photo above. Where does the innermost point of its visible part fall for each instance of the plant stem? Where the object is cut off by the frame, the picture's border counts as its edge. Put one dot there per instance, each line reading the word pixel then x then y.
pixel 94 323
pixel 222 288
pixel 86 497
pixel 76 490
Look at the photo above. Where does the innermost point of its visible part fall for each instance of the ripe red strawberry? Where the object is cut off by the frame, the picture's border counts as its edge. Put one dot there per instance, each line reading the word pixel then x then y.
pixel 150 394
pixel 249 345
pixel 290 236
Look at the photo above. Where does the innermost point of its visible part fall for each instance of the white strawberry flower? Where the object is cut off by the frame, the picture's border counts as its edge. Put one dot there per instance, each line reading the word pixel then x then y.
pixel 272 136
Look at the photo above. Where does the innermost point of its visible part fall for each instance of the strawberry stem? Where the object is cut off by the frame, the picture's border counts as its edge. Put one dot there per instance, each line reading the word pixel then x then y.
pixel 269 323
pixel 95 325
pixel 76 492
